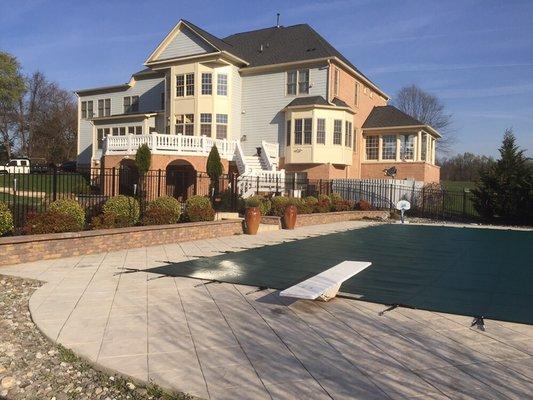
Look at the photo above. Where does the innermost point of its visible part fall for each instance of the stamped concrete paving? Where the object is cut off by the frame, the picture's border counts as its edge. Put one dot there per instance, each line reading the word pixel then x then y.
pixel 223 341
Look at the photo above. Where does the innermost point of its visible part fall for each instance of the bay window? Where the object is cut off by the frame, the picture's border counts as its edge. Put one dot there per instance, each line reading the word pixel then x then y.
pixel 185 124
pixel 321 131
pixel 407 146
pixel 372 147
pixel 222 84
pixel 222 126
pixel 388 151
pixel 288 133
pixel 184 85
pixel 337 132
pixel 205 124
pixel 207 83
pixel 348 134
pixel 298 131
pixel 308 130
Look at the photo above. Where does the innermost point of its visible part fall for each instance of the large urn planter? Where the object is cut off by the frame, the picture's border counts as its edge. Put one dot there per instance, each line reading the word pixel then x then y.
pixel 252 218
pixel 289 217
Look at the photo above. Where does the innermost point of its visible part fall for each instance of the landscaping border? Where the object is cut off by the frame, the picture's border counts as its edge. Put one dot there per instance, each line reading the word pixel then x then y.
pixel 20 249
pixel 27 248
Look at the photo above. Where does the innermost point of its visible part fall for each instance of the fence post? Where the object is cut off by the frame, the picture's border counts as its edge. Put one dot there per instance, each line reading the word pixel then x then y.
pixel 257 186
pixel 113 182
pixel 277 184
pixel 54 183
pixel 390 198
pixel 465 191
pixel 159 183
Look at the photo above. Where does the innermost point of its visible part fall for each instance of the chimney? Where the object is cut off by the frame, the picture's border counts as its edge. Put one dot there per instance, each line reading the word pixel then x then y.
pixel 277 20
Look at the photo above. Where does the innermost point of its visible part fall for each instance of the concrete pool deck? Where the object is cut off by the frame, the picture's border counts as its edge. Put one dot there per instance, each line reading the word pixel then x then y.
pixel 223 341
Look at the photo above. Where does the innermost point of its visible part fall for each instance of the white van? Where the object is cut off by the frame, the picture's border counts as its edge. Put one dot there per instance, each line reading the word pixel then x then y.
pixel 16 166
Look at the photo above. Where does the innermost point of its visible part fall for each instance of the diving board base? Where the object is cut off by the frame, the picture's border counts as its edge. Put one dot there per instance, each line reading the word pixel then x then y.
pixel 325 285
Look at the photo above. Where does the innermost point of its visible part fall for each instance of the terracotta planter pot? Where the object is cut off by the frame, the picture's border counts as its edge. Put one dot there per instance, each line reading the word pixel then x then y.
pixel 252 218
pixel 289 217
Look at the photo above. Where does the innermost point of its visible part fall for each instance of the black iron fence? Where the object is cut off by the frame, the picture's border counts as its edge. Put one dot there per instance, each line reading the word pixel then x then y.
pixel 30 193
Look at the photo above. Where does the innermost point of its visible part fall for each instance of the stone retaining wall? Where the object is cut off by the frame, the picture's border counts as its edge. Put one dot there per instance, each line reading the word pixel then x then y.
pixel 332 217
pixel 20 249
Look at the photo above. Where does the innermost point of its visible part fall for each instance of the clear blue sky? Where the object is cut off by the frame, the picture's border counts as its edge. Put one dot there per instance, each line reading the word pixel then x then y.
pixel 477 56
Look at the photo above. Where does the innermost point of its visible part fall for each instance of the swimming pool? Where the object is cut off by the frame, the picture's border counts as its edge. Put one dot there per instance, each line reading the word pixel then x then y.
pixel 467 271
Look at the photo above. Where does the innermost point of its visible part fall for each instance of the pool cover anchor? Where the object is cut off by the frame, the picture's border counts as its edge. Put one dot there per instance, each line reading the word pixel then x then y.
pixel 479 323
pixel 390 308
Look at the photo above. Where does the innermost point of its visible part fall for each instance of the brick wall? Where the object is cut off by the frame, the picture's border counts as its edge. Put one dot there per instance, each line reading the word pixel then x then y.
pixel 19 249
pixel 329 218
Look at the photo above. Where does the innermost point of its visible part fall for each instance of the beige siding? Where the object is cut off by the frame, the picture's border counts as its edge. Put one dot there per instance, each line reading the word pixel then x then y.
pixel 185 43
pixel 263 99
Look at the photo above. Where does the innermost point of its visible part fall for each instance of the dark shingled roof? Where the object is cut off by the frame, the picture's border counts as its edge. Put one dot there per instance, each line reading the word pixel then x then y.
pixel 339 102
pixel 283 44
pixel 309 101
pixel 388 116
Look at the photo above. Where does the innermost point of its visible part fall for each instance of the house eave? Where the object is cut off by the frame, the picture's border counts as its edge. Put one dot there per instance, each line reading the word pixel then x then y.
pixel 420 127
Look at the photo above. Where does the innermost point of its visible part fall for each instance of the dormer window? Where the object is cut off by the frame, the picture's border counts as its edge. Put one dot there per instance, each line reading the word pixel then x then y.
pixel 298 82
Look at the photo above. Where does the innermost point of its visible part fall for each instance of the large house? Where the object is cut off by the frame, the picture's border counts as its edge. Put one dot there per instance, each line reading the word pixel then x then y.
pixel 277 101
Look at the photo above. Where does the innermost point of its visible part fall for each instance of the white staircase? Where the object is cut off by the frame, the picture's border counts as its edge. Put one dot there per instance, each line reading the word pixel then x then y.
pixel 259 174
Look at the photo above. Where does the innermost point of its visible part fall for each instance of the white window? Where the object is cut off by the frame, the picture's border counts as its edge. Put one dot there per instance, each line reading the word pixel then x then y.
pixel 83 109
pixel 288 133
pixel 185 124
pixel 348 134
pixel 131 104
pixel 184 85
pixel 139 130
pixel 101 134
pixel 337 132
pixel 131 130
pixel 336 81
pixel 88 113
pixel 388 151
pixel 122 131
pixel 205 124
pixel 101 107
pixel 423 151
pixel 104 107
pixel 292 77
pixel 222 84
pixel 115 131
pixel 372 147
pixel 207 83
pixel 298 131
pixel 189 84
pixel 407 146
pixel 222 126
pixel 321 131
pixel 298 81
pixel 107 108
pixel 308 131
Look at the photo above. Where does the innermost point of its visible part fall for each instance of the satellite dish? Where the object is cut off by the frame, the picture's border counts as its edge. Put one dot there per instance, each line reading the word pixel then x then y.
pixel 403 205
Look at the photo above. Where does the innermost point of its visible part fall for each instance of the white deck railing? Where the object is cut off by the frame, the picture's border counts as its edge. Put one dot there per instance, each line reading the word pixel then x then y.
pixel 170 144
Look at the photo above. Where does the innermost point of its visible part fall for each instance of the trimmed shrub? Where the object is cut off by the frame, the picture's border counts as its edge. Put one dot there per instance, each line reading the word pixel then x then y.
pixel 124 208
pixel 198 208
pixel 51 222
pixel 263 203
pixel 363 205
pixel 311 203
pixel 158 216
pixel 170 205
pixel 335 197
pixel 279 203
pixel 323 204
pixel 341 205
pixel 71 207
pixel 6 219
pixel 109 221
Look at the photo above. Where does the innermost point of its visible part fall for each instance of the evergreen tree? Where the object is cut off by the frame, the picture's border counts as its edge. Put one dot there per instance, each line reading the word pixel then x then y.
pixel 143 160
pixel 214 169
pixel 505 189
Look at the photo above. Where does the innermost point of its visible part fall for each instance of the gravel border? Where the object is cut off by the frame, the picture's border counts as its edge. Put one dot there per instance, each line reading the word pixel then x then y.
pixel 32 367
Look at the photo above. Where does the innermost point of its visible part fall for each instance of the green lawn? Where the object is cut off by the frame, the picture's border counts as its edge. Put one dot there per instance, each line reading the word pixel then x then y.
pixel 457 185
pixel 66 182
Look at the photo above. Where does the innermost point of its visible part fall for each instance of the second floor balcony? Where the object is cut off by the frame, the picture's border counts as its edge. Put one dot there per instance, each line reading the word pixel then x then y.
pixel 169 144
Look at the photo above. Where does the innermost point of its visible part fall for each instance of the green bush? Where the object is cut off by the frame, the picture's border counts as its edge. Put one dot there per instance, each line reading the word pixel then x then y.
pixel 263 203
pixel 71 207
pixel 124 208
pixel 311 202
pixel 323 204
pixel 170 205
pixel 158 216
pixel 342 205
pixel 335 197
pixel 51 221
pixel 109 220
pixel 6 219
pixel 198 208
pixel 306 205
pixel 363 205
pixel 279 203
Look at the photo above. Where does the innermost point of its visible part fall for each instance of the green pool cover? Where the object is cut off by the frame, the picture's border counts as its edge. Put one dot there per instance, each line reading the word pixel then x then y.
pixel 467 271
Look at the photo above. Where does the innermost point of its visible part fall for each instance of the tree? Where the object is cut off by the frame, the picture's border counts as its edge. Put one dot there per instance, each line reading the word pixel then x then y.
pixel 214 169
pixel 505 190
pixel 463 167
pixel 11 90
pixel 428 109
pixel 143 160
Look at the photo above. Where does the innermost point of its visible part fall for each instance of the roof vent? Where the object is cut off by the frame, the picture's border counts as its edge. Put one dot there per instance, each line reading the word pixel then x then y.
pixel 261 48
pixel 311 49
pixel 277 20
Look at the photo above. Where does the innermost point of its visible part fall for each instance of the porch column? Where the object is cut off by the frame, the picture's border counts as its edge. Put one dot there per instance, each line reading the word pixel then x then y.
pixel 398 144
pixel 418 147
pixel 433 143
pixel 380 146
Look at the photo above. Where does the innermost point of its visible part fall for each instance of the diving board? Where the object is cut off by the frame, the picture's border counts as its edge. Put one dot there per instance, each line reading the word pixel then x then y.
pixel 325 285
